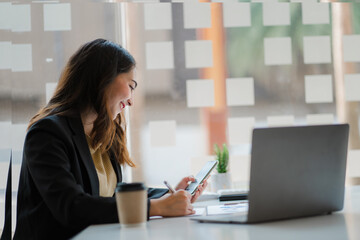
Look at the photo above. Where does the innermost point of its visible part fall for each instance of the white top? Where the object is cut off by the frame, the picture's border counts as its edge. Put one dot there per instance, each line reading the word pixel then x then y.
pixel 339 225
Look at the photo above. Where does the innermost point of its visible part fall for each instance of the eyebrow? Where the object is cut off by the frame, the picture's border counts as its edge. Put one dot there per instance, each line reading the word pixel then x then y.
pixel 134 82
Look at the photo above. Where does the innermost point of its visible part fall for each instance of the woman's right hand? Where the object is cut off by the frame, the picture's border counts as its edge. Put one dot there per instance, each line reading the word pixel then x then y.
pixel 171 205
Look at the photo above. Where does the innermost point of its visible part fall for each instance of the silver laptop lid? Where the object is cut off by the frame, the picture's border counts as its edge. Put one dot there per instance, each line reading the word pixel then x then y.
pixel 297 171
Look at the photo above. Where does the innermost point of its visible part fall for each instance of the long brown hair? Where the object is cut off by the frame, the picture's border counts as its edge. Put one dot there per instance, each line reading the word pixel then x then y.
pixel 83 85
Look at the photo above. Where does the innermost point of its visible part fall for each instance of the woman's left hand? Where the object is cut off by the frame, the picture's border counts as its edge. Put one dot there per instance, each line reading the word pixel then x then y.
pixel 185 182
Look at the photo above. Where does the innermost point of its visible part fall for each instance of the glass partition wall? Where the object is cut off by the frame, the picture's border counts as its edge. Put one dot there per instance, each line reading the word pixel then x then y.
pixel 208 72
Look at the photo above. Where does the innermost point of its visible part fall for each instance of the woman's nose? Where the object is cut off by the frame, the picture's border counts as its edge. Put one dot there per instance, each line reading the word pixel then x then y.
pixel 130 102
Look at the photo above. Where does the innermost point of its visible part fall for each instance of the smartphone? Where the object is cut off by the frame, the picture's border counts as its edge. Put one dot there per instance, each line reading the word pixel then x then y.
pixel 201 176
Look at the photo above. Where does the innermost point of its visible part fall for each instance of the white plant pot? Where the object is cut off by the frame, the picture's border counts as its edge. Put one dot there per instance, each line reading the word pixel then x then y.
pixel 220 181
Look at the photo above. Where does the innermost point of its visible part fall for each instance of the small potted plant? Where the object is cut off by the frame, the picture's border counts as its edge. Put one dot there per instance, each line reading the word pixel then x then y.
pixel 222 179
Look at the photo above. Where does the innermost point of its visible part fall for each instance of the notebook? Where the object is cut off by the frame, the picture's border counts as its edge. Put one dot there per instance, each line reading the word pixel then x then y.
pixel 295 172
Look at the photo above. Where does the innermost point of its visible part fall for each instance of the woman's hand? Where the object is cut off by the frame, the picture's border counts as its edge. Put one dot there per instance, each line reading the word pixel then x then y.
pixel 171 205
pixel 185 182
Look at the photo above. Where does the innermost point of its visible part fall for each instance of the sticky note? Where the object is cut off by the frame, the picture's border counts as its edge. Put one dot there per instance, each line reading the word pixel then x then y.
pixel 162 133
pixel 159 55
pixel 277 51
pixel 240 130
pixel 5 15
pixel 318 89
pixel 351 48
pixel 157 16
pixel 21 18
pixel 315 13
pixel 236 14
pixel 5 130
pixel 352 87
pixel 4 169
pixel 198 54
pixel 57 17
pixel 5 55
pixel 21 57
pixel 280 121
pixel 353 163
pixel 50 89
pixel 318 119
pixel 197 15
pixel 18 133
pixel 200 93
pixel 275 13
pixel 317 49
pixel 239 166
pixel 15 176
pixel 240 91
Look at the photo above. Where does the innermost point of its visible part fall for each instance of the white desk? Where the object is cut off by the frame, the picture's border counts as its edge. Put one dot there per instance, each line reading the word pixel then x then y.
pixel 340 225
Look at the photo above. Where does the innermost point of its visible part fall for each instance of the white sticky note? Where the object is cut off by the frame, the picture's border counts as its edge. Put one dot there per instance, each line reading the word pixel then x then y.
pixel 318 89
pixel 276 13
pixel 240 92
pixel 159 55
pixel 240 168
pixel 18 133
pixel 21 18
pixel 198 54
pixel 263 1
pixel 197 163
pixel 240 130
pixel 21 57
pixel 200 93
pixel 15 176
pixel 50 89
pixel 5 130
pixel 197 15
pixel 317 49
pixel 5 15
pixel 236 14
pixel 57 17
pixel 278 51
pixel 319 119
pixel 353 163
pixel 280 121
pixel 315 13
pixel 162 133
pixel 4 169
pixel 352 87
pixel 157 16
pixel 5 55
pixel 351 48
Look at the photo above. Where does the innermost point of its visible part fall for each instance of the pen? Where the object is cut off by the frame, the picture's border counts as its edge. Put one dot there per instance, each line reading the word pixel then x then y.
pixel 169 187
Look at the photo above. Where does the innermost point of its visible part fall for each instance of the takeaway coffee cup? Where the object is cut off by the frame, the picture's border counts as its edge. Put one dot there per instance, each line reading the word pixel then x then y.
pixel 131 201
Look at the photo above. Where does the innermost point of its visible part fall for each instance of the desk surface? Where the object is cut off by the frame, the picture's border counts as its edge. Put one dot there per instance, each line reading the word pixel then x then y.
pixel 340 225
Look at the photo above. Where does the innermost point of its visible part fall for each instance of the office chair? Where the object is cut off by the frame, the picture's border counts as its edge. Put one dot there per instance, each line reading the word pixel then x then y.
pixel 6 234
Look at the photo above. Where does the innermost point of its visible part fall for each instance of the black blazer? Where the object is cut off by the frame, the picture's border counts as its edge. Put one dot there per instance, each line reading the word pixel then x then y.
pixel 58 192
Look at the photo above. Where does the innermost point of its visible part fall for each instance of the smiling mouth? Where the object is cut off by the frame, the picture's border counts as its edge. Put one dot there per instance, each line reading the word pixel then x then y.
pixel 122 105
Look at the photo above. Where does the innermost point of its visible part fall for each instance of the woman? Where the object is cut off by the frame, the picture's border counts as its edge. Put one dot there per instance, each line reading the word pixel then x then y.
pixel 75 146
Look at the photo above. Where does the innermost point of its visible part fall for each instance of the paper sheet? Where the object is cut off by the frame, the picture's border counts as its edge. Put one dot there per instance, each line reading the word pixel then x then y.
pixel 277 51
pixel 200 93
pixel 318 89
pixel 275 13
pixel 159 55
pixel 227 209
pixel 236 14
pixel 317 49
pixel 198 54
pixel 352 87
pixel 57 17
pixel 197 15
pixel 351 48
pixel 157 16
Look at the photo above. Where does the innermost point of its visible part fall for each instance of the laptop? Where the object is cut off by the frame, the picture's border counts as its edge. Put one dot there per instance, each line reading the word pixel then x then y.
pixel 295 172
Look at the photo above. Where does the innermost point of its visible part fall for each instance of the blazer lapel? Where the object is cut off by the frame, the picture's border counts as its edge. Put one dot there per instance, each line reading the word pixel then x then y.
pixel 84 152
